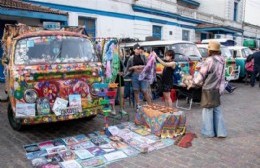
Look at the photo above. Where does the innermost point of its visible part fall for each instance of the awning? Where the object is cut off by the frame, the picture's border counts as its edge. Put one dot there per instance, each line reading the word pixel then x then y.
pixel 25 9
pixel 218 29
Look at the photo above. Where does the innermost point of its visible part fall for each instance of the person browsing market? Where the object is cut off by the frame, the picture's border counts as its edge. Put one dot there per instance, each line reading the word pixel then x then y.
pixel 135 66
pixel 211 77
pixel 167 75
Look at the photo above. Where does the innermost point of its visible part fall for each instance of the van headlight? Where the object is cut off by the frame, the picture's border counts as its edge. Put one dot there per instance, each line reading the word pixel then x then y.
pixel 30 96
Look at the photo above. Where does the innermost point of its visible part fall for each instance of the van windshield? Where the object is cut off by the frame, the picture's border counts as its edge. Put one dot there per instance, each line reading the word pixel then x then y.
pixel 225 52
pixel 247 52
pixel 185 52
pixel 54 49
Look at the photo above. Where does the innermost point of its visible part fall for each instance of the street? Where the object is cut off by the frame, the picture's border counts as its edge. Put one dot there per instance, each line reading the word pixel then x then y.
pixel 240 149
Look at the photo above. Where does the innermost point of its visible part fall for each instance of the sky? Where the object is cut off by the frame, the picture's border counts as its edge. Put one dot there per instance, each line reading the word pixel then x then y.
pixel 252 13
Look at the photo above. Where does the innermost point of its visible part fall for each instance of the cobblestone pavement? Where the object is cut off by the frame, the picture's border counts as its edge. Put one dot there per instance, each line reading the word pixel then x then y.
pixel 240 149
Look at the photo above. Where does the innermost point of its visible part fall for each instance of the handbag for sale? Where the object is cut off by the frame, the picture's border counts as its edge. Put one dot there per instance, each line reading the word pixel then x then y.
pixel 210 98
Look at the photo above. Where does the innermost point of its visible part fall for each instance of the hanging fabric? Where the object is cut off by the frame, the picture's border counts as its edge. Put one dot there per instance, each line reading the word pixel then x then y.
pixel 110 60
pixel 149 71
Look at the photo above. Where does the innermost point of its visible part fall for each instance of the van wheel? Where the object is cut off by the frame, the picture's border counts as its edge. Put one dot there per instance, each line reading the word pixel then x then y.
pixel 15 123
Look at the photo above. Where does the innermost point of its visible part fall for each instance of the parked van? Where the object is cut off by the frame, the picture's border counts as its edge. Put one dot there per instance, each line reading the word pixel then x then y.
pixel 49 75
pixel 181 48
pixel 231 70
pixel 186 54
pixel 222 41
pixel 203 48
pixel 240 54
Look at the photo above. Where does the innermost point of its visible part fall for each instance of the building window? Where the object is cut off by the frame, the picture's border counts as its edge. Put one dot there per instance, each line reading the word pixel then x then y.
pixel 235 11
pixel 185 35
pixel 157 32
pixel 203 36
pixel 90 25
pixel 218 36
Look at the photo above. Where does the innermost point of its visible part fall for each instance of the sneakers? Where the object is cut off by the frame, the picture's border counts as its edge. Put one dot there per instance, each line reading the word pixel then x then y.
pixel 113 112
pixel 138 107
pixel 123 112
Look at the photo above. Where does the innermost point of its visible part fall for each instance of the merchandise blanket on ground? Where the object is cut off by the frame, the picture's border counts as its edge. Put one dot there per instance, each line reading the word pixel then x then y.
pixel 95 149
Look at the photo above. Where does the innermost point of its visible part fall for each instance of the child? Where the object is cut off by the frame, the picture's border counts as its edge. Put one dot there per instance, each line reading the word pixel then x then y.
pixel 167 75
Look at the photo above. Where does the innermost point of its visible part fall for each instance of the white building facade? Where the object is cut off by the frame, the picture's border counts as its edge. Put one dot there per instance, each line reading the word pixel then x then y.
pixel 191 20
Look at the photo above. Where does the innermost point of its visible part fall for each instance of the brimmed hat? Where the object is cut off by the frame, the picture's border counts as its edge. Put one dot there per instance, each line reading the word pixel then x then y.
pixel 214 46
pixel 137 46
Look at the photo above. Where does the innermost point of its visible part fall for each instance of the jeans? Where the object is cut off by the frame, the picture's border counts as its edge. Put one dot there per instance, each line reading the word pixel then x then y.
pixel 213 123
pixel 139 85
pixel 127 90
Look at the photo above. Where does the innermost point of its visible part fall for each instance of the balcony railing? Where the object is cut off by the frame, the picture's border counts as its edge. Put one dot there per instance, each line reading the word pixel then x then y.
pixel 186 12
pixel 163 5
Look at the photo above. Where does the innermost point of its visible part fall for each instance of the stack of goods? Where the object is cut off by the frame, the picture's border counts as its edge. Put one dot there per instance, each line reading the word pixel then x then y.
pixel 95 149
pixel 163 121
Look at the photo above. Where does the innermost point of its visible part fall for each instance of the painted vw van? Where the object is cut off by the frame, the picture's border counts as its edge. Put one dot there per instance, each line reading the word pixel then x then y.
pixel 49 75
pixel 232 71
pixel 240 53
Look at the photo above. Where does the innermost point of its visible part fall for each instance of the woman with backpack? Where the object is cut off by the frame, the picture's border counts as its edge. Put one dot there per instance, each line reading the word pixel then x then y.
pixel 249 68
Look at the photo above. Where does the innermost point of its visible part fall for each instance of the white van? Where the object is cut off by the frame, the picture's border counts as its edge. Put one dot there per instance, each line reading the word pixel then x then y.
pixel 222 41
pixel 182 49
pixel 231 70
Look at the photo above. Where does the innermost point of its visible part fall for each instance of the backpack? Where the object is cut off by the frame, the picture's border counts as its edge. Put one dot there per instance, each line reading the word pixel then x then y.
pixel 250 65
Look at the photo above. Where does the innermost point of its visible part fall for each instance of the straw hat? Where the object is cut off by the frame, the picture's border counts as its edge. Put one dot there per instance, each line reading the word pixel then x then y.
pixel 214 46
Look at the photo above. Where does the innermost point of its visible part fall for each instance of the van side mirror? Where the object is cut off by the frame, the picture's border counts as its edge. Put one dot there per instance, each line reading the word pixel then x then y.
pixel 234 54
pixel 5 60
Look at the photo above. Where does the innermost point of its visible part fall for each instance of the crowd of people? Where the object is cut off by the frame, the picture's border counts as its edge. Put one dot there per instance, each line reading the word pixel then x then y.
pixel 211 78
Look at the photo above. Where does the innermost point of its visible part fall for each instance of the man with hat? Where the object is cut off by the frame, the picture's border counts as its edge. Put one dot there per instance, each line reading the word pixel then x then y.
pixel 212 79
pixel 134 67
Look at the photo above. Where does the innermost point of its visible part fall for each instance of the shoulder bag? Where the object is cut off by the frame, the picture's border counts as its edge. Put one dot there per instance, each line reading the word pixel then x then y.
pixel 210 98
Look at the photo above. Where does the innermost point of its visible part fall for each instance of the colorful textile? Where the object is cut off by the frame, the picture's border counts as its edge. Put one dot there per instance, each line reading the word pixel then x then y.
pixel 164 124
pixel 214 66
pixel 108 70
pixel 149 71
pixel 111 60
pixel 185 140
pixel 182 68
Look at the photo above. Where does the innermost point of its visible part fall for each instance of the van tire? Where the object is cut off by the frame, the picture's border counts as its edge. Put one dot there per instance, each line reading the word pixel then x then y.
pixel 14 123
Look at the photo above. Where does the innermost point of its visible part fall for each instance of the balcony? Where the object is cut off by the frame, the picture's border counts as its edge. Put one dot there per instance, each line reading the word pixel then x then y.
pixel 163 5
